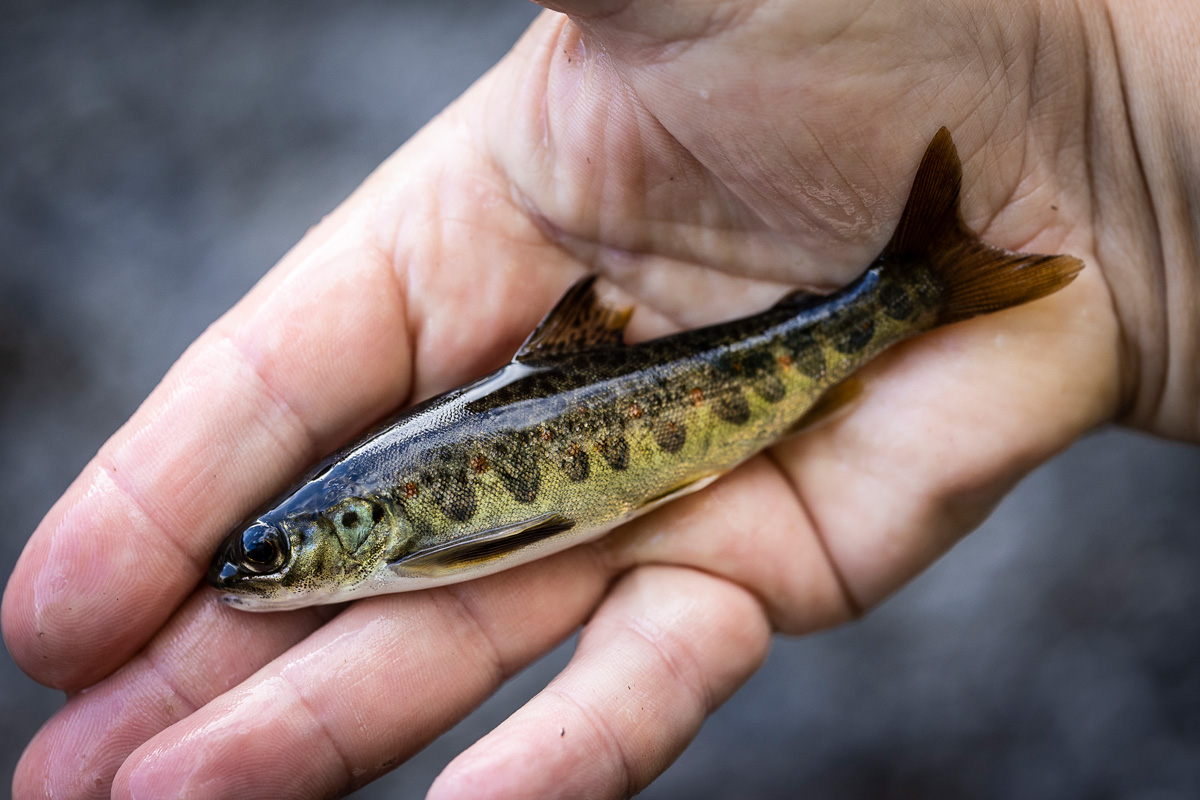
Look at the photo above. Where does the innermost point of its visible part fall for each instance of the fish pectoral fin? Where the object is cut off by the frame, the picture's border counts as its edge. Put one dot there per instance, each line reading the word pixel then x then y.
pixel 834 403
pixel 447 558
pixel 578 322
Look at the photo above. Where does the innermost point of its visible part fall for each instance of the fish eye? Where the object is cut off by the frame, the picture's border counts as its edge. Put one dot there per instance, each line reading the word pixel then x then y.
pixel 263 549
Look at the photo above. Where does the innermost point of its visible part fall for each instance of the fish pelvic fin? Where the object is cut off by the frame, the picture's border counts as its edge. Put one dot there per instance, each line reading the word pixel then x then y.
pixel 580 321
pixel 975 277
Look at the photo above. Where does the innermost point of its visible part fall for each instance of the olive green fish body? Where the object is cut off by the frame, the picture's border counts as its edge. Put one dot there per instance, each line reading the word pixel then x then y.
pixel 580 432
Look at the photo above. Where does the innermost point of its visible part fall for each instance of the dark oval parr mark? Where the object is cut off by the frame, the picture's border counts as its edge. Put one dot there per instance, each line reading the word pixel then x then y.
pixel 455 496
pixel 769 387
pixel 895 301
pixel 852 332
pixel 615 450
pixel 731 405
pixel 669 435
pixel 806 352
pixel 576 464
pixel 521 476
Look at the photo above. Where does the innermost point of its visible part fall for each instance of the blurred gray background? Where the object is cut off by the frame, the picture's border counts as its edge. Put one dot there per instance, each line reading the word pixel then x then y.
pixel 157 157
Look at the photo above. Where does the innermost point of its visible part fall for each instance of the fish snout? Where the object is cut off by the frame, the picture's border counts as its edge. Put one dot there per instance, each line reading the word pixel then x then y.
pixel 223 571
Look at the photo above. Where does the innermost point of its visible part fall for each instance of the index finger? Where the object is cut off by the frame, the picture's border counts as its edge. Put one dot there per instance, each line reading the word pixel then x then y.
pixel 232 419
pixel 322 347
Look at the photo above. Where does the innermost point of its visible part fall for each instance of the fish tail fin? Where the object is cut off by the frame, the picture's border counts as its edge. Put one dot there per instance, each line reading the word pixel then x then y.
pixel 975 277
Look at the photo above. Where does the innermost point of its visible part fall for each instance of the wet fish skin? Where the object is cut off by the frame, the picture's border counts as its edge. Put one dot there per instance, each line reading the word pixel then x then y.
pixel 580 432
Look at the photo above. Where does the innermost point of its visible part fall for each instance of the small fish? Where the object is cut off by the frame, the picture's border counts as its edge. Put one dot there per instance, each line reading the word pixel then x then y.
pixel 581 432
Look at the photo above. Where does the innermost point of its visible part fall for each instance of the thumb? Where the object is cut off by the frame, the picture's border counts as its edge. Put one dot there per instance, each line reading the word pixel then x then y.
pixel 650 22
pixel 591 9
pixel 653 22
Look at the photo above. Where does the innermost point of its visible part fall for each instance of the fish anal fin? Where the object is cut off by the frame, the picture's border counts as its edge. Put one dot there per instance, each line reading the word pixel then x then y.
pixel 580 321
pixel 975 277
pixel 490 545
pixel 835 403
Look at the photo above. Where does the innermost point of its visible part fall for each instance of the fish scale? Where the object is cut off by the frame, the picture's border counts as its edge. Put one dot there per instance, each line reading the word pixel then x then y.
pixel 581 431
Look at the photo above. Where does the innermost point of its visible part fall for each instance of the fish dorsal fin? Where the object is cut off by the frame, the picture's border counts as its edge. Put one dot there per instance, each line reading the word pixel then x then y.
pixel 578 322
pixel 975 277
pixel 452 557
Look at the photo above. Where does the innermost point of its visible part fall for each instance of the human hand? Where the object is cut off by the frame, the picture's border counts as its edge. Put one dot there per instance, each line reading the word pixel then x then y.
pixel 384 279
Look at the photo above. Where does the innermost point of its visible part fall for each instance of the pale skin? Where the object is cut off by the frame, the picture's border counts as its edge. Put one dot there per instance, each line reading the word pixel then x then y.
pixel 702 157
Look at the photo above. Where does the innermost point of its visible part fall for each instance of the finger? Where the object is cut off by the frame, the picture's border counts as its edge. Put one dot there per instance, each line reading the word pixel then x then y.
pixel 664 650
pixel 752 529
pixel 234 418
pixel 368 689
pixel 656 22
pixel 205 648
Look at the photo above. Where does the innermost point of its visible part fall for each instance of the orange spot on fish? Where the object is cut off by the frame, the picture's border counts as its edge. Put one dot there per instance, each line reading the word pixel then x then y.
pixel 634 410
pixel 697 396
pixel 547 435
pixel 479 464
pixel 785 361
pixel 411 490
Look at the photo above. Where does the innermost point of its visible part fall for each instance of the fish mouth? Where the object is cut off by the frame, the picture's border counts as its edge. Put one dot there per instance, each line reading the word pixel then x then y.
pixel 245 603
pixel 235 586
pixel 223 571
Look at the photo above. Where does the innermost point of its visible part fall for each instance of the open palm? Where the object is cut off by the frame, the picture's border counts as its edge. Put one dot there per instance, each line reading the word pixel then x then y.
pixel 701 158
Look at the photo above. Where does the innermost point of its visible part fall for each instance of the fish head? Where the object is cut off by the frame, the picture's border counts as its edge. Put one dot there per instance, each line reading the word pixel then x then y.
pixel 278 561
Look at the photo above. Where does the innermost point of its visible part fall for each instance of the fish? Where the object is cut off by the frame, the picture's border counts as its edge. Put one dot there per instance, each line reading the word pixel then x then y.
pixel 581 431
